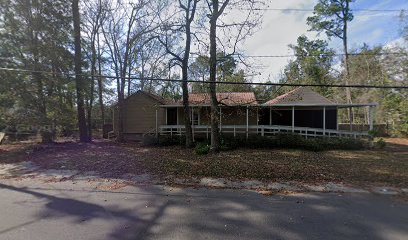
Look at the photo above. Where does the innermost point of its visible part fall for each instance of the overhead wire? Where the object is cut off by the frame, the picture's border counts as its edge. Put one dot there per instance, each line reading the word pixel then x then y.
pixel 215 82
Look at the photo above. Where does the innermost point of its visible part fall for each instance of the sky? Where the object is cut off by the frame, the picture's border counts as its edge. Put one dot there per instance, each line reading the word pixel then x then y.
pixel 279 29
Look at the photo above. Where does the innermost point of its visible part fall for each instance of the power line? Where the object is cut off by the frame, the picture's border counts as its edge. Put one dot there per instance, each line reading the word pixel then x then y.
pixel 312 10
pixel 216 82
pixel 322 55
pixel 314 55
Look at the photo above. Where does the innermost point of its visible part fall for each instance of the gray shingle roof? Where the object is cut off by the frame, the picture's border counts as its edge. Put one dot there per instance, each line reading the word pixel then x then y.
pixel 300 95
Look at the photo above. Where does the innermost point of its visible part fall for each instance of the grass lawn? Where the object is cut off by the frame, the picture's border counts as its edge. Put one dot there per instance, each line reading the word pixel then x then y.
pixel 388 166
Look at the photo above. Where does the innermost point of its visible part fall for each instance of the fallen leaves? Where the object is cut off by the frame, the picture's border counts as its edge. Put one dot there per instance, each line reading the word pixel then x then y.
pixel 112 186
pixel 280 165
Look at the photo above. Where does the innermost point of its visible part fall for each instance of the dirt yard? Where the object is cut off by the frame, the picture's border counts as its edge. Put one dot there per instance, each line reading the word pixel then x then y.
pixel 367 167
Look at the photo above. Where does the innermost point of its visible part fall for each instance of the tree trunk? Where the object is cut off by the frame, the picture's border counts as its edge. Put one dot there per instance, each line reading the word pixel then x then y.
pixel 186 107
pixel 120 137
pixel 93 72
pixel 215 133
pixel 91 99
pixel 100 84
pixel 83 132
pixel 37 76
pixel 129 80
pixel 346 60
pixel 122 81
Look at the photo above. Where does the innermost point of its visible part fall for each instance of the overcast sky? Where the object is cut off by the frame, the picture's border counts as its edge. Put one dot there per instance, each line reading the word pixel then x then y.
pixel 282 28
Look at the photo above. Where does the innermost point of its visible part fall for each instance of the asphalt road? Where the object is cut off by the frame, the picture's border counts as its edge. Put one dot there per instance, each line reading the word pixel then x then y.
pixel 34 210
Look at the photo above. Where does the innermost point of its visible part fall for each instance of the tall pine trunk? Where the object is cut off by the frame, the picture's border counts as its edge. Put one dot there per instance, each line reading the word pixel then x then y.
pixel 215 133
pixel 346 60
pixel 83 129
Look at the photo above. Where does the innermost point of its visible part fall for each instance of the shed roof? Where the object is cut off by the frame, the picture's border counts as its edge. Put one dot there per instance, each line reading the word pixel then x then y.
pixel 300 95
pixel 226 98
pixel 157 98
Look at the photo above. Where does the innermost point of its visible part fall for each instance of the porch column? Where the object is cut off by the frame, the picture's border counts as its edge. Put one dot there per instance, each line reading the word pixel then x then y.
pixel 192 123
pixel 257 116
pixel 177 110
pixel 324 121
pixel 247 121
pixel 166 115
pixel 371 117
pixel 220 119
pixel 270 116
pixel 293 119
pixel 337 118
pixel 157 124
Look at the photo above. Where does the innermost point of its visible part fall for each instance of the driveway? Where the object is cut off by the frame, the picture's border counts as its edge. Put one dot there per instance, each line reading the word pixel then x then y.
pixel 31 209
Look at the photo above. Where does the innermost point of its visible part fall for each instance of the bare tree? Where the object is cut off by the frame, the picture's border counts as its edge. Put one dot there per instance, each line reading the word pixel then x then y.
pixel 151 56
pixel 188 8
pixel 242 29
pixel 123 30
pixel 93 18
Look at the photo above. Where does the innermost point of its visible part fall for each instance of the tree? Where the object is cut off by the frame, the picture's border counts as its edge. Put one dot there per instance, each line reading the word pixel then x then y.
pixel 200 70
pixel 189 10
pixel 332 17
pixel 216 10
pixel 226 70
pixel 36 35
pixel 243 29
pixel 394 102
pixel 150 64
pixel 312 64
pixel 83 128
pixel 93 18
pixel 124 29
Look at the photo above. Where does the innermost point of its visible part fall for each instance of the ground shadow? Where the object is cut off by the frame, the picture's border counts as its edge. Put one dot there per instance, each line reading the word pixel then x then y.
pixel 228 214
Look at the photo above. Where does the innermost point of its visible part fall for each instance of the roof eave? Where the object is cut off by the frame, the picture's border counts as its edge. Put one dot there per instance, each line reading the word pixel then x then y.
pixel 282 105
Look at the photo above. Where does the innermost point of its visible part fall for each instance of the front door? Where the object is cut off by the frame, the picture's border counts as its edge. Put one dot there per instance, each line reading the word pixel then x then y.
pixel 264 116
pixel 171 116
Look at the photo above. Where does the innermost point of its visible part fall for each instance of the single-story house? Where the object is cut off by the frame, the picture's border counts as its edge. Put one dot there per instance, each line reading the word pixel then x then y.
pixel 300 111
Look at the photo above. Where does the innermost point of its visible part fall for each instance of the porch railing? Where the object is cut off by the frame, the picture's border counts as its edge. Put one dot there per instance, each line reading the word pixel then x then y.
pixel 263 130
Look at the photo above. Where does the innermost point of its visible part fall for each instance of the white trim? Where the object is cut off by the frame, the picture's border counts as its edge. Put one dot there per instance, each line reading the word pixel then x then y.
pixel 274 129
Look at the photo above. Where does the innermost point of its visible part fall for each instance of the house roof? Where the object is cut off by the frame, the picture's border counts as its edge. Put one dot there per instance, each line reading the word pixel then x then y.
pixel 226 98
pixel 157 98
pixel 300 95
